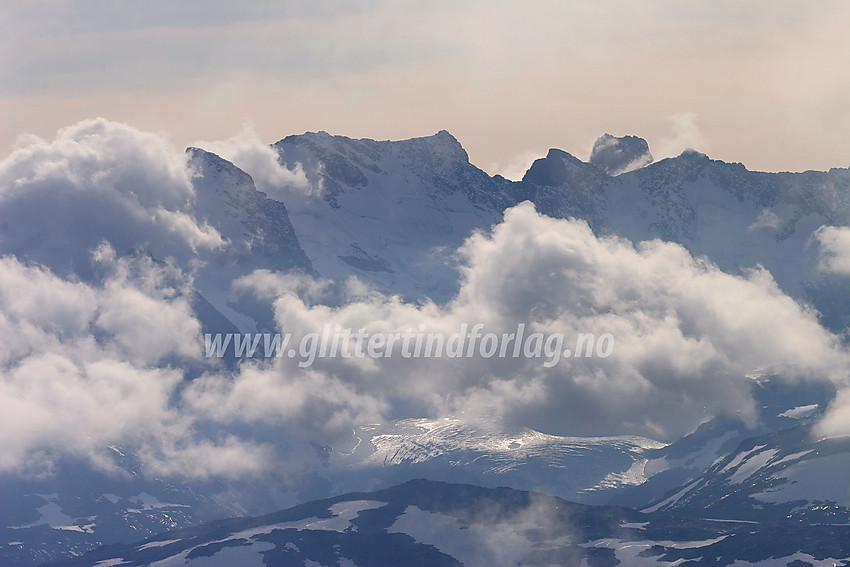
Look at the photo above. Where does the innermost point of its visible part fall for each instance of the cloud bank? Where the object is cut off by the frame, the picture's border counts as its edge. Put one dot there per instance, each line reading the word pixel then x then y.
pixel 687 335
pixel 100 344
pixel 98 180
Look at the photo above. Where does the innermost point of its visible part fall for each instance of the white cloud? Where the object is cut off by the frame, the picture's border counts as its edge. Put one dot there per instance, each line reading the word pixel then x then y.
pixel 836 420
pixel 145 307
pixel 55 400
pixel 322 406
pixel 260 161
pixel 83 366
pixel 98 180
pixel 834 249
pixel 88 365
pixel 67 380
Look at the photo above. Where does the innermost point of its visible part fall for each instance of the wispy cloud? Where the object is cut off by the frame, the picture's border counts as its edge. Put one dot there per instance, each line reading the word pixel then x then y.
pixel 686 135
pixel 250 154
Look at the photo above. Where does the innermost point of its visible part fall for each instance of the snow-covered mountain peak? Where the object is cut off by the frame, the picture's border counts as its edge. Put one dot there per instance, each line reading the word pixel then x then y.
pixel 257 230
pixel 442 145
pixel 387 209
pixel 432 158
pixel 215 175
pixel 615 155
pixel 695 155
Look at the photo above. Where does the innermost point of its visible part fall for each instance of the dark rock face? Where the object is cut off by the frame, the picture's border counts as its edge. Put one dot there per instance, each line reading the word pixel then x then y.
pixel 620 155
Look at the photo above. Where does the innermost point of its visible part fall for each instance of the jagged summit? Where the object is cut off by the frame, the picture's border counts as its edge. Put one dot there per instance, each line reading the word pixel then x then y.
pixel 553 170
pixel 201 160
pixel 615 155
pixel 442 144
pixel 257 229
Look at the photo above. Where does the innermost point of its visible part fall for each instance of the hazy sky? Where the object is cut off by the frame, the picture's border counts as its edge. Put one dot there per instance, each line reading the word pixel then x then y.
pixel 766 83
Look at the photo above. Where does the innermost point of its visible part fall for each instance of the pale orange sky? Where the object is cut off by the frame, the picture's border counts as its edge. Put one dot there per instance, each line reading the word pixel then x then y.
pixel 766 83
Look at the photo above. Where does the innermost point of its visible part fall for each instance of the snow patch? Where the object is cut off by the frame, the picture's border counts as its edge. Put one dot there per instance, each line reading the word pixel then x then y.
pixel 739 458
pixel 752 465
pixel 110 563
pixel 150 502
pixel 343 513
pixel 157 544
pixel 805 558
pixel 800 412
pixel 822 479
pixel 52 515
pixel 672 499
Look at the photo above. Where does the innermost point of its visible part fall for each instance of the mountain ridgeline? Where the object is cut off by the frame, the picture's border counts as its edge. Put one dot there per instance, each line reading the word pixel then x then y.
pixel 387 211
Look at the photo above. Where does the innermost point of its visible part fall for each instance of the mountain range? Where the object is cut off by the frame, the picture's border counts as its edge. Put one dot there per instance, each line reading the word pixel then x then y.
pixel 391 219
